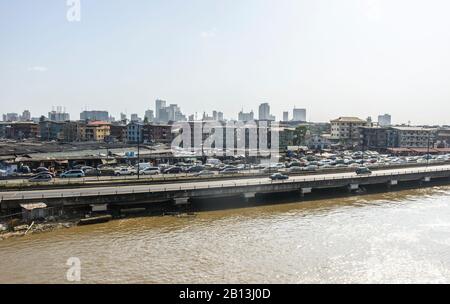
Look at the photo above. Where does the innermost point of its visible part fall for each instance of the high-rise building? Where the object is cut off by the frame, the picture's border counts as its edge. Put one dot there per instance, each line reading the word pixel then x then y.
pixel 95 115
pixel 285 116
pixel 299 115
pixel 135 118
pixel 264 111
pixel 220 116
pixel 58 114
pixel 159 105
pixel 11 117
pixel 149 115
pixel 26 116
pixel 242 116
pixel 123 117
pixel 384 120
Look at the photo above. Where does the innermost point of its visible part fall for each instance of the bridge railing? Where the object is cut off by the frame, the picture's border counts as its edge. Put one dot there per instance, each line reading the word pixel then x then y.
pixel 139 189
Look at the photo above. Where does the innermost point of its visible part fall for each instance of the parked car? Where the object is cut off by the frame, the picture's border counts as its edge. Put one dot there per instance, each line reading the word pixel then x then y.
pixel 45 173
pixel 363 170
pixel 204 173
pixel 41 178
pixel 73 173
pixel 150 171
pixel 173 170
pixel 311 168
pixel 124 171
pixel 278 176
pixel 195 169
pixel 295 169
pixel 229 171
pixel 41 169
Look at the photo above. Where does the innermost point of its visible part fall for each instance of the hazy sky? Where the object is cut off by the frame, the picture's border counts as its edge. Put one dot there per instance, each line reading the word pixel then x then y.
pixel 332 57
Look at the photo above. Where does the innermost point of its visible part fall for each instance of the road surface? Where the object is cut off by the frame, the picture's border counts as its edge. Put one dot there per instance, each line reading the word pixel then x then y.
pixel 114 190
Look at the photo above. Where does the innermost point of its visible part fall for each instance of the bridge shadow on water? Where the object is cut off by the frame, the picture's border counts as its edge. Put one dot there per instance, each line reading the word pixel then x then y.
pixel 264 199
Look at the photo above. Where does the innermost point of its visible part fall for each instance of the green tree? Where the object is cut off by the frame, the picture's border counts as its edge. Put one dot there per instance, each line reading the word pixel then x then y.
pixel 300 135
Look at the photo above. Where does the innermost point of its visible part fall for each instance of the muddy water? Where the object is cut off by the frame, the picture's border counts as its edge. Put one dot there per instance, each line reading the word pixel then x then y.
pixel 391 237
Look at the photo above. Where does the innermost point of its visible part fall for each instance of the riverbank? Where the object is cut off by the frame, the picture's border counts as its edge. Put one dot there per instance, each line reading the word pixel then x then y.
pixel 35 228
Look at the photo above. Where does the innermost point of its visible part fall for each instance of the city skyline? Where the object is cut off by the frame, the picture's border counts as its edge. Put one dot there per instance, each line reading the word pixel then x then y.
pixel 353 58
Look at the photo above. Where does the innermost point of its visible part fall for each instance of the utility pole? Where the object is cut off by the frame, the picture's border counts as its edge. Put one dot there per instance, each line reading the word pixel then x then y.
pixel 138 147
pixel 428 148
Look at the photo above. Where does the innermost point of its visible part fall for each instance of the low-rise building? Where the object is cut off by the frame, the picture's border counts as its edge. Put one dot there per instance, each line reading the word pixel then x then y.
pixel 157 134
pixel 52 130
pixel 380 138
pixel 134 132
pixel 345 130
pixel 97 131
pixel 118 132
pixel 22 130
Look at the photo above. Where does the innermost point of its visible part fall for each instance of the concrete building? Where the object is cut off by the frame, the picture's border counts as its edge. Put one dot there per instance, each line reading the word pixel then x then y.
pixel 345 130
pixel 415 136
pixel 58 115
pixel 134 132
pixel 286 116
pixel 443 138
pixel 135 118
pixel 26 116
pixel 97 131
pixel 380 138
pixel 299 114
pixel 118 132
pixel 242 116
pixel 220 116
pixel 264 111
pixel 11 117
pixel 95 115
pixel 149 115
pixel 159 105
pixel 52 130
pixel 384 120
pixel 157 134
pixel 22 130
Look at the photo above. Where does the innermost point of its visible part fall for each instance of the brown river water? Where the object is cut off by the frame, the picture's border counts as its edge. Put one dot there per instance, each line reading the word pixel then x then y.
pixel 394 237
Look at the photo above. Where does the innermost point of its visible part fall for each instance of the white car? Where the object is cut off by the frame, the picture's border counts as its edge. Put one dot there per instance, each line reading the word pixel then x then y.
pixel 150 171
pixel 124 171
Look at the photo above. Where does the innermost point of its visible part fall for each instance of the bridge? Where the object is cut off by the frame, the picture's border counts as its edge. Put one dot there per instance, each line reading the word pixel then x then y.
pixel 182 192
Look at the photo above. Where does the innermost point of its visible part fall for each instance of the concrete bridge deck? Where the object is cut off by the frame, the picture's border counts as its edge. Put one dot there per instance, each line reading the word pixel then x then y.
pixel 219 188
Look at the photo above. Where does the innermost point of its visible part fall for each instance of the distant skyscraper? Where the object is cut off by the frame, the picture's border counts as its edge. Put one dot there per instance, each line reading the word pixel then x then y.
pixel 215 116
pixel 159 105
pixel 220 116
pixel 384 120
pixel 94 115
pixel 149 115
pixel 264 111
pixel 59 114
pixel 26 116
pixel 135 118
pixel 11 117
pixel 299 115
pixel 123 116
pixel 246 116
pixel 285 116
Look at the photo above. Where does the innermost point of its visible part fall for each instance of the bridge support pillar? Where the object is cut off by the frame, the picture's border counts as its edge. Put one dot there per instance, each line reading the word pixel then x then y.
pixel 392 182
pixel 181 201
pixel 304 191
pixel 352 187
pixel 99 207
pixel 249 196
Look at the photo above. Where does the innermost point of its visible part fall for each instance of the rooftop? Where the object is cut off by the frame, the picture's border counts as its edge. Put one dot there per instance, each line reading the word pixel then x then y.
pixel 348 119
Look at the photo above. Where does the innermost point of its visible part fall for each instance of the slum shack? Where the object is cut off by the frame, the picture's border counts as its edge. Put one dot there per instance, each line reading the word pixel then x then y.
pixel 34 211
